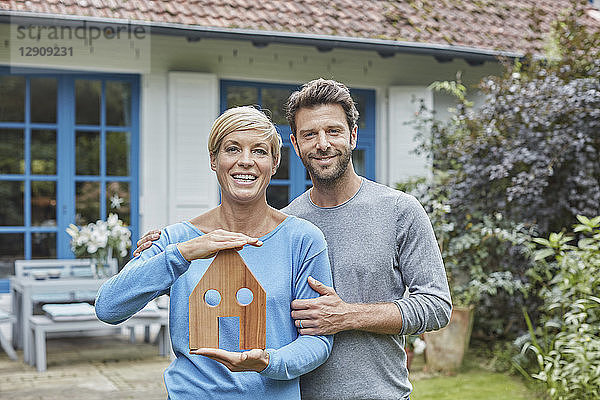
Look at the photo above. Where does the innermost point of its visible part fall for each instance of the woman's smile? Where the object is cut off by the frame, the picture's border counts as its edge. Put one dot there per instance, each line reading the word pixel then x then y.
pixel 244 178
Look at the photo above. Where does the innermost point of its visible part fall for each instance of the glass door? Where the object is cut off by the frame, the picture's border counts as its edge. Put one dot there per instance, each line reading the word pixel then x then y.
pixel 28 168
pixel 68 154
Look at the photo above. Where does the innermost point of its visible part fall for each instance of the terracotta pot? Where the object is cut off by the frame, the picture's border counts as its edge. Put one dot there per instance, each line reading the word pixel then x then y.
pixel 446 348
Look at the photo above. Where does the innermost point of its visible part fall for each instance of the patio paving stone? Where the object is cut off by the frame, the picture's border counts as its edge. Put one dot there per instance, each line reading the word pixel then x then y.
pixel 94 368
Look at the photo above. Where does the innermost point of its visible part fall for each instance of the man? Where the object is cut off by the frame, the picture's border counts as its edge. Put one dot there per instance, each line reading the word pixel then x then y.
pixel 380 243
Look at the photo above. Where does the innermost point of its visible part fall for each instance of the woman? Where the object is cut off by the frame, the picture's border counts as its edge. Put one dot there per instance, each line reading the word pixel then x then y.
pixel 282 252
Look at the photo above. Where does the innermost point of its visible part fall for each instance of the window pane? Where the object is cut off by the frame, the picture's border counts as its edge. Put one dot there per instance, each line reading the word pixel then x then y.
pixel 87 153
pixel 361 106
pixel 43 100
pixel 283 172
pixel 118 103
pixel 277 196
pixel 43 203
pixel 87 102
pixel 241 96
pixel 12 151
pixel 358 160
pixel 11 212
pixel 117 200
pixel 43 152
pixel 274 100
pixel 12 247
pixel 87 202
pixel 12 98
pixel 117 153
pixel 43 245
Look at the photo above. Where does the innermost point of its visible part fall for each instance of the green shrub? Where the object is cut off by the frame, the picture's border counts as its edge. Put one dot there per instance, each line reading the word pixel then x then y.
pixel 479 252
pixel 566 344
pixel 529 152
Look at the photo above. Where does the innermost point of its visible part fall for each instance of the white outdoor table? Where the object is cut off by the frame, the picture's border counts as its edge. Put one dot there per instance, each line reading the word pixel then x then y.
pixel 24 290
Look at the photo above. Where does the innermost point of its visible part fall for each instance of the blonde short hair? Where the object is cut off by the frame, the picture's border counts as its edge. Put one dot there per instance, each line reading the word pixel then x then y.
pixel 244 118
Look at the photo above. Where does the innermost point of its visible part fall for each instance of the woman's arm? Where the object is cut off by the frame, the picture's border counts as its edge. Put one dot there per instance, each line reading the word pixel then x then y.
pixel 141 280
pixel 307 352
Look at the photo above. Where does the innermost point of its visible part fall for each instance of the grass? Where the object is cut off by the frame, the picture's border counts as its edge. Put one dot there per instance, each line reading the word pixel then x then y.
pixel 472 385
pixel 475 381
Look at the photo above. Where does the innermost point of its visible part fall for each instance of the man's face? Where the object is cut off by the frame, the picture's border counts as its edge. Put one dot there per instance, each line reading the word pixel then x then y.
pixel 324 142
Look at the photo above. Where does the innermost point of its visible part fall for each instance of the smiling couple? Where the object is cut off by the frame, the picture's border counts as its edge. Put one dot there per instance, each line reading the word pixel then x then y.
pixel 380 242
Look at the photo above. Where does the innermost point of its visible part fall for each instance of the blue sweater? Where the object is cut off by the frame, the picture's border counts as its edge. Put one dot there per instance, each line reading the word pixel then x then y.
pixel 289 254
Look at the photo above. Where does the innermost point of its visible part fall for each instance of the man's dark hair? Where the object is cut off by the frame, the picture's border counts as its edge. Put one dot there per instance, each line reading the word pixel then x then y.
pixel 321 91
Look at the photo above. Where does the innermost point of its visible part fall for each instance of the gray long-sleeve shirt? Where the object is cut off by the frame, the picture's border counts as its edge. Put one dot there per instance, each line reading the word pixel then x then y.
pixel 380 243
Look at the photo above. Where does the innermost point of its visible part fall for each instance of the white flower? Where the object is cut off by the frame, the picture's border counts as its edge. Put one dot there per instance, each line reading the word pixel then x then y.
pixel 113 220
pixel 100 238
pixel 116 201
pixel 92 248
pixel 73 231
pixel 419 346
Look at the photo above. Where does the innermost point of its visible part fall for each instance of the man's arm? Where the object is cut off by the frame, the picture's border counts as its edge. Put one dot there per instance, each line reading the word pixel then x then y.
pixel 329 314
pixel 428 307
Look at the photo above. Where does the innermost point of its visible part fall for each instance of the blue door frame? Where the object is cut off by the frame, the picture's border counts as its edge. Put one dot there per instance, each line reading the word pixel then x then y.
pixel 65 176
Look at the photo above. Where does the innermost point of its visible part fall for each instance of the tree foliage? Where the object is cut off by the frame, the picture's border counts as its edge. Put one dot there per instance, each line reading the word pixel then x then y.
pixel 532 150
pixel 530 153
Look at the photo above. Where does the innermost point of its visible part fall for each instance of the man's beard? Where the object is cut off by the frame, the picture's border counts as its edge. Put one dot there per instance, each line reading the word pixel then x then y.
pixel 328 176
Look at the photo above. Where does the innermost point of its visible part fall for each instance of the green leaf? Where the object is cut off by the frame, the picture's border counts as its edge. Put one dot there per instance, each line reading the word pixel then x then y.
pixel 543 253
pixel 582 228
pixel 555 237
pixel 542 241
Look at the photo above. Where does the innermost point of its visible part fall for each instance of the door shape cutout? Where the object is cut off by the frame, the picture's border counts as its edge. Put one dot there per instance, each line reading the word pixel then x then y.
pixel 227 274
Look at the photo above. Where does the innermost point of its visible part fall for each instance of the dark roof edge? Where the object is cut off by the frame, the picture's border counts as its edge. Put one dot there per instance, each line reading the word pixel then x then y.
pixel 261 38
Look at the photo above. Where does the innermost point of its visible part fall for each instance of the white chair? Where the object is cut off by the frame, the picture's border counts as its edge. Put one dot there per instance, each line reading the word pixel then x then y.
pixel 4 319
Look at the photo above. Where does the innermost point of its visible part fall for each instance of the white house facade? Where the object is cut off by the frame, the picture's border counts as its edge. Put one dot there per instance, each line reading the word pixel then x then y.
pixel 121 125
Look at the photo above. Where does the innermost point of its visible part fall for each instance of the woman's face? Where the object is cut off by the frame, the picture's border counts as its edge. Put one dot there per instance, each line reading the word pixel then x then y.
pixel 244 165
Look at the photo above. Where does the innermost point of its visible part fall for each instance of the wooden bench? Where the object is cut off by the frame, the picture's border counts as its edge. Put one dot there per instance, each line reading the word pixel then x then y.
pixel 40 325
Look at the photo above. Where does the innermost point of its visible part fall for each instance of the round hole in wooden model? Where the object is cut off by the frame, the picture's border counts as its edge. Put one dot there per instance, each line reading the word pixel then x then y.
pixel 212 297
pixel 244 296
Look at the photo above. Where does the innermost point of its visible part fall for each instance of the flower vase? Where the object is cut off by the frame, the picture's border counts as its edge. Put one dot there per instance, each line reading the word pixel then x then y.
pixel 103 265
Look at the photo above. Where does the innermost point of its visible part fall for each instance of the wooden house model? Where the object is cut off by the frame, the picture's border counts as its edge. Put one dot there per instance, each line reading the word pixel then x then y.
pixel 227 274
